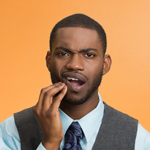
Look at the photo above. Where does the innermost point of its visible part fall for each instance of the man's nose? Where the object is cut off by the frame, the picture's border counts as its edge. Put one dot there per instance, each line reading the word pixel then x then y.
pixel 75 63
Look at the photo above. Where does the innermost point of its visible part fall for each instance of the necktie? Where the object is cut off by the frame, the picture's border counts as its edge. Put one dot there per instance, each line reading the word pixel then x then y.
pixel 73 136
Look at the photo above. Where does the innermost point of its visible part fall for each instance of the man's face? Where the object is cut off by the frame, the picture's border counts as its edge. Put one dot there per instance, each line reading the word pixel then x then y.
pixel 77 60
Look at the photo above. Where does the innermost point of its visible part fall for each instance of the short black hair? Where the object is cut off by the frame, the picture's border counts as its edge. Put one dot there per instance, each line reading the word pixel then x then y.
pixel 83 21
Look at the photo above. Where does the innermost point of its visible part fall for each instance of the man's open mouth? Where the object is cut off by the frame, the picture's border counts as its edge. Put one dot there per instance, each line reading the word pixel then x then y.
pixel 74 81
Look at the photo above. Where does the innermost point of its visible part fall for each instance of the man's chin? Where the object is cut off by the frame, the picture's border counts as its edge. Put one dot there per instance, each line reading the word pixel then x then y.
pixel 74 99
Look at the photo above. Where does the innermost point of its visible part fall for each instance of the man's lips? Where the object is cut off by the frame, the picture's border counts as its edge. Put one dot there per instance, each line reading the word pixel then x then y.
pixel 74 76
pixel 74 81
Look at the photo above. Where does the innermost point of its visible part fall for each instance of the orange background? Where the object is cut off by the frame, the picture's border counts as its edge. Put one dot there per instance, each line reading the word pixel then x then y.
pixel 24 40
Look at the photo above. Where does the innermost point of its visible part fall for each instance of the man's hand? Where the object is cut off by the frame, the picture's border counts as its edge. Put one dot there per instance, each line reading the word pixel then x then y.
pixel 47 114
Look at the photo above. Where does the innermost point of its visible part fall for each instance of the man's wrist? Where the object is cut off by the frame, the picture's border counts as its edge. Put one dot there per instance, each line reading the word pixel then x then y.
pixel 51 145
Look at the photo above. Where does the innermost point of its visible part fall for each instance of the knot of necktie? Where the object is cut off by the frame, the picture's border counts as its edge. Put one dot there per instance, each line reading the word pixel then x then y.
pixel 73 136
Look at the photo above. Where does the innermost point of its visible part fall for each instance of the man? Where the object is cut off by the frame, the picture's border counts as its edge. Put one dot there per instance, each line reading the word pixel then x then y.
pixel 70 114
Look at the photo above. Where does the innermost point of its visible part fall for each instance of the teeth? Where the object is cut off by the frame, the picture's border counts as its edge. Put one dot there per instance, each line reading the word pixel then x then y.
pixel 74 79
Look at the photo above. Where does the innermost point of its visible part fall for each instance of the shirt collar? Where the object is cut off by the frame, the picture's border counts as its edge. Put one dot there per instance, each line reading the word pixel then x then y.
pixel 89 122
pixel 66 120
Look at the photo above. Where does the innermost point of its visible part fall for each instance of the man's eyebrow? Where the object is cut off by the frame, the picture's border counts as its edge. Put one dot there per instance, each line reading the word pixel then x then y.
pixel 82 50
pixel 88 49
pixel 63 48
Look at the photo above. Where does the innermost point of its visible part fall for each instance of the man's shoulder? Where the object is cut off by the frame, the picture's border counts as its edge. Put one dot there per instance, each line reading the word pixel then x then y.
pixel 115 115
pixel 28 128
pixel 25 119
pixel 7 123
pixel 9 119
pixel 117 131
pixel 25 114
pixel 8 130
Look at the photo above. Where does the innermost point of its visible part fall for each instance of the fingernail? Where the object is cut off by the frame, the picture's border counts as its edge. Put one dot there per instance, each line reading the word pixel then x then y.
pixel 57 83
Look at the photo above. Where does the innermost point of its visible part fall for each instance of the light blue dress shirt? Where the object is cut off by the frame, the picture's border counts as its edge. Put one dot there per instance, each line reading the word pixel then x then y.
pixel 9 137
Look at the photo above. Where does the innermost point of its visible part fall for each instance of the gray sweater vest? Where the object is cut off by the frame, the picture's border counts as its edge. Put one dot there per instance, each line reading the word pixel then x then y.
pixel 117 131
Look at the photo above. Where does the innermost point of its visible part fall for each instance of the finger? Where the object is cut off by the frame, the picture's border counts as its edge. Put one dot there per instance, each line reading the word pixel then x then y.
pixel 40 101
pixel 49 95
pixel 56 103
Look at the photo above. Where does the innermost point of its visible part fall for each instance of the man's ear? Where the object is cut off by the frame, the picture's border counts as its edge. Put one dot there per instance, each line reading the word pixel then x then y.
pixel 48 60
pixel 107 63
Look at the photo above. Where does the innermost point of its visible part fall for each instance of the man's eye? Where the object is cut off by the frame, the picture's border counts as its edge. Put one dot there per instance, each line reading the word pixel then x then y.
pixel 62 54
pixel 89 55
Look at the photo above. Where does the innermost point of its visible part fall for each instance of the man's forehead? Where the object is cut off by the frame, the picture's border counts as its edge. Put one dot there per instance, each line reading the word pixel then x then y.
pixel 76 34
pixel 77 38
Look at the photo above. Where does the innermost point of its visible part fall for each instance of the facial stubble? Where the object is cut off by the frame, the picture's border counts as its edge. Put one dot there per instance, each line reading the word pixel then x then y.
pixel 94 86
